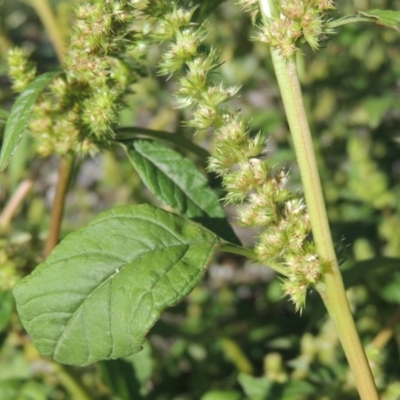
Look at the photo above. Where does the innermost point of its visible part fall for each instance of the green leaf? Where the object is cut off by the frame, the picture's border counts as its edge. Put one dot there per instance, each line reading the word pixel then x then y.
pixel 255 388
pixel 236 355
pixel 19 115
pixel 264 389
pixel 391 291
pixel 119 377
pixel 104 286
pixel 294 390
pixel 9 389
pixel 3 115
pixel 221 395
pixel 20 390
pixel 129 133
pixel 388 18
pixel 177 181
pixel 6 308
pixel 127 377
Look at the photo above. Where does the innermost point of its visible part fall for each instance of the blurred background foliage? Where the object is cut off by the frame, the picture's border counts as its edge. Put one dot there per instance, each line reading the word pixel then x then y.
pixel 234 337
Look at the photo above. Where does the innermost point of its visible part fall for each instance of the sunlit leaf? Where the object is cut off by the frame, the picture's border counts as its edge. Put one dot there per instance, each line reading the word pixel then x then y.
pixel 104 286
pixel 177 181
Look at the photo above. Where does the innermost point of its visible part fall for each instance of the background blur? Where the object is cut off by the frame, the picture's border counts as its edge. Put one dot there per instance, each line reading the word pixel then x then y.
pixel 234 337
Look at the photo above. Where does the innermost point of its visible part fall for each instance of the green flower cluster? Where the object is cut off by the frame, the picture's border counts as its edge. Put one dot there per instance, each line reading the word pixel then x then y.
pixel 259 192
pixel 286 22
pixel 79 109
pixel 21 70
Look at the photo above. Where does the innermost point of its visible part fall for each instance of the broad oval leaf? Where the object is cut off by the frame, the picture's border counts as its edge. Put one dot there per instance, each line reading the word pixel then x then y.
pixel 104 286
pixel 177 181
pixel 19 115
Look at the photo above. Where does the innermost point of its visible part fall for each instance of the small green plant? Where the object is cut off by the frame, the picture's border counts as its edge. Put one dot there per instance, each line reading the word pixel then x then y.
pixel 103 287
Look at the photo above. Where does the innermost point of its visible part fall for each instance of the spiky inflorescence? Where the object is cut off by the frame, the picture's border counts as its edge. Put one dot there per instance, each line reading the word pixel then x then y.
pixel 21 70
pixel 260 193
pixel 286 22
pixel 79 109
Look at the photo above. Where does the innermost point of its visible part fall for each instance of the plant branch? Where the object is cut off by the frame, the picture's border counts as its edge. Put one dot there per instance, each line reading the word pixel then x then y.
pixel 18 197
pixel 348 20
pixel 331 287
pixel 46 15
pixel 64 174
pixel 73 385
pixel 128 133
pixel 229 248
pixel 15 201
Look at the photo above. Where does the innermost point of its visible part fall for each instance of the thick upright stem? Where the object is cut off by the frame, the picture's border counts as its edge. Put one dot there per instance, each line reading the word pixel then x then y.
pixel 331 287
pixel 64 174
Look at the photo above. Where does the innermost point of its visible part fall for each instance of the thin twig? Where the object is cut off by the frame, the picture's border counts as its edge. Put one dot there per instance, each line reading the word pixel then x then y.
pixel 13 204
pixel 71 383
pixel 348 20
pixel 65 169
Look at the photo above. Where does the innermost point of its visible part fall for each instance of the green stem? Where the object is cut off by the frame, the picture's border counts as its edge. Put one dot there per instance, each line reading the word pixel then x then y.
pixel 129 133
pixel 46 15
pixel 229 248
pixel 64 174
pixel 71 383
pixel 19 195
pixel 347 20
pixel 331 287
pixel 242 251
pixel 13 204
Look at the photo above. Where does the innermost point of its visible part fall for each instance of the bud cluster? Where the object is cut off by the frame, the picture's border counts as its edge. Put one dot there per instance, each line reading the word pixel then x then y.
pixel 286 22
pixel 78 110
pixel 21 70
pixel 259 192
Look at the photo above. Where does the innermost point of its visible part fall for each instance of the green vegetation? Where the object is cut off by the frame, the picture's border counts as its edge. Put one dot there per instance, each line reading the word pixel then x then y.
pixel 222 168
